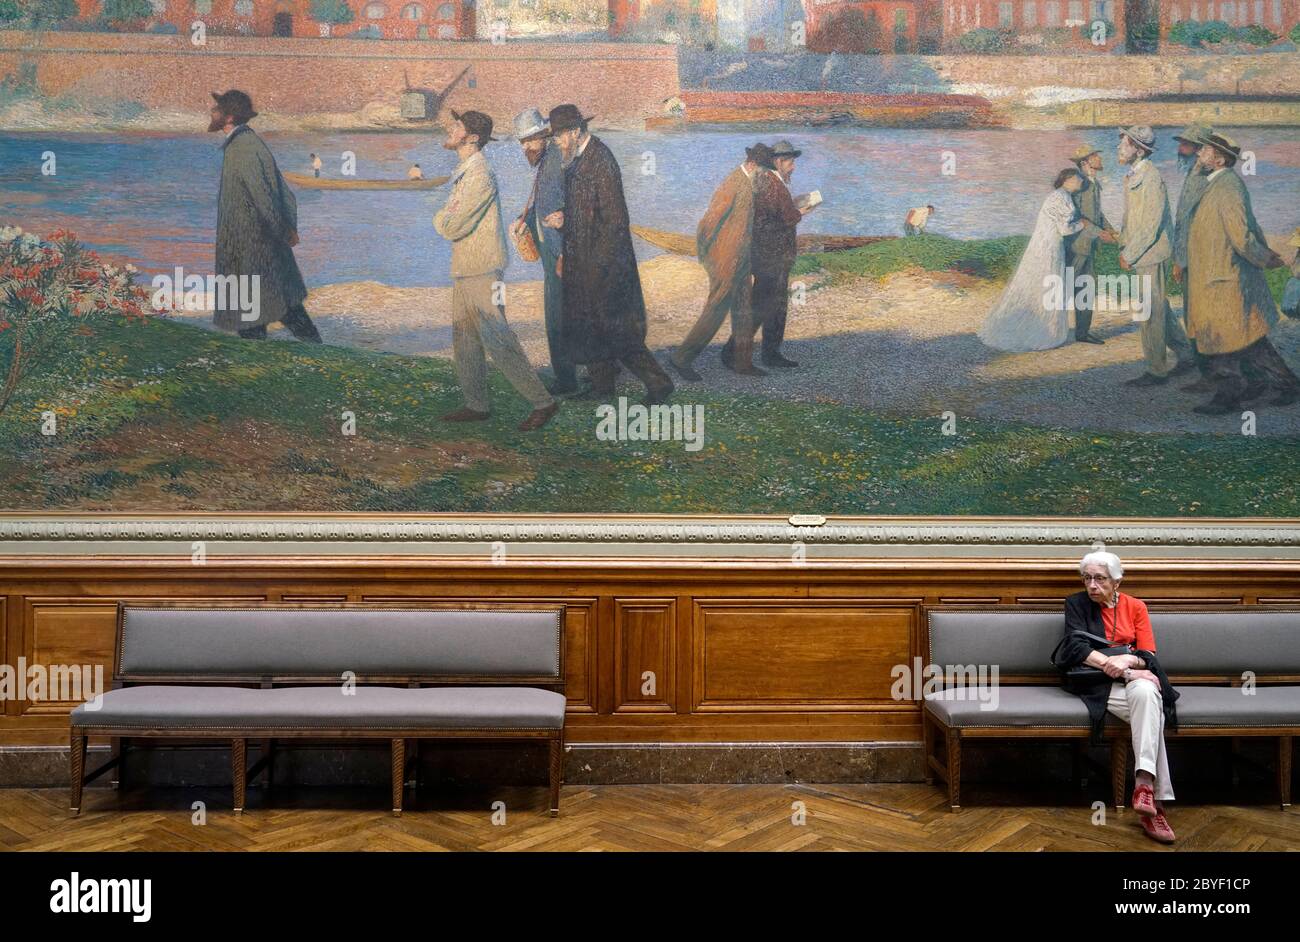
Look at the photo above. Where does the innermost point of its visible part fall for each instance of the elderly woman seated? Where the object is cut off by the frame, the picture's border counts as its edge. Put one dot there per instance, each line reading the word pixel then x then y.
pixel 1134 687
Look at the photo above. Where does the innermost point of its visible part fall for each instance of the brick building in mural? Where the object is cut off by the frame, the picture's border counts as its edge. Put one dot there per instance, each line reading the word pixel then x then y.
pixel 904 26
pixel 1034 22
pixel 545 18
pixel 378 19
pixel 1277 15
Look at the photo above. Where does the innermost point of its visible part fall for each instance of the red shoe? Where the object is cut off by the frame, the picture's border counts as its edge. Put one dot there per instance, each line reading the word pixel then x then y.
pixel 1144 801
pixel 1158 829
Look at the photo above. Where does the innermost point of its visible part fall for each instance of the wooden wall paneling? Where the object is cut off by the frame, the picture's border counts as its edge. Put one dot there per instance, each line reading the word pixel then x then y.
pixel 645 643
pixel 757 651
pixel 800 654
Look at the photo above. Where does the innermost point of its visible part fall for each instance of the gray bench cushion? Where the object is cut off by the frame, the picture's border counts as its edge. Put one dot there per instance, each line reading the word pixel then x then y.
pixel 326 642
pixel 161 705
pixel 1052 706
pixel 1209 642
pixel 1227 706
pixel 1266 642
pixel 1017 706
pixel 1018 642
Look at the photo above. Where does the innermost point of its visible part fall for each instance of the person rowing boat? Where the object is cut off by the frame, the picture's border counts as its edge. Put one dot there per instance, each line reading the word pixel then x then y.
pixel 322 183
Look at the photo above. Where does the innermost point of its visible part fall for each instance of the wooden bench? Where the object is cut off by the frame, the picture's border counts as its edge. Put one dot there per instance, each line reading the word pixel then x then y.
pixel 1207 652
pixel 338 672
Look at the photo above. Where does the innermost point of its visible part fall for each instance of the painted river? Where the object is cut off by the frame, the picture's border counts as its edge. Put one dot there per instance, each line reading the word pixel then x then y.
pixel 151 198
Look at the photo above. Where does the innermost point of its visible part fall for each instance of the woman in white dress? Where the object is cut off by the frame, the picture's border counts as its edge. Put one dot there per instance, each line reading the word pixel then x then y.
pixel 1034 311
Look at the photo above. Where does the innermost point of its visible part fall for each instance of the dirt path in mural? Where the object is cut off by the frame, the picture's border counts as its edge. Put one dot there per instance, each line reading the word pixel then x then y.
pixel 905 344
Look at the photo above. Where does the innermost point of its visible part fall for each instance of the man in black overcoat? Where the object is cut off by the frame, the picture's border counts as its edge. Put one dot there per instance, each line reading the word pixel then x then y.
pixel 604 321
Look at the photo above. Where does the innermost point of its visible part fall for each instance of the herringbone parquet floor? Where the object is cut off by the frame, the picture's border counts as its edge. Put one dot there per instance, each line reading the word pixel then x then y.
pixel 616 817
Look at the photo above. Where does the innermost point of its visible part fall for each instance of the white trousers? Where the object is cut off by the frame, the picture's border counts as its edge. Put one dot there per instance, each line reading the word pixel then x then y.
pixel 1140 705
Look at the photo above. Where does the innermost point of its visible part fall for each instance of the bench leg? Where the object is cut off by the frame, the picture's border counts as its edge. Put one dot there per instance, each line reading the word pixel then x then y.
pixel 1284 744
pixel 268 750
pixel 954 770
pixel 399 775
pixel 1119 750
pixel 557 772
pixel 927 743
pixel 239 771
pixel 77 769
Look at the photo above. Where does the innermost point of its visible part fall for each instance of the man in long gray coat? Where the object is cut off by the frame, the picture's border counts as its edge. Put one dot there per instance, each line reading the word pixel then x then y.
pixel 257 227
pixel 1147 240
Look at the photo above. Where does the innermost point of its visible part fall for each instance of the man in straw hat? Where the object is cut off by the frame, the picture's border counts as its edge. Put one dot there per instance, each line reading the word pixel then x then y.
pixel 1190 142
pixel 544 217
pixel 604 309
pixel 724 243
pixel 257 228
pixel 772 254
pixel 1081 250
pixel 1147 247
pixel 471 221
pixel 1230 309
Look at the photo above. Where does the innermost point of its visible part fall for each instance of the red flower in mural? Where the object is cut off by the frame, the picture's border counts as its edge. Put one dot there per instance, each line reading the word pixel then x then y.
pixel 47 288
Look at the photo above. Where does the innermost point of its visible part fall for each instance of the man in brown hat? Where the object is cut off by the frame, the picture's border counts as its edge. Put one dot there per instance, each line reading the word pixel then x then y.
pixel 772 254
pixel 471 221
pixel 1081 250
pixel 724 244
pixel 257 228
pixel 1195 178
pixel 604 309
pixel 1230 309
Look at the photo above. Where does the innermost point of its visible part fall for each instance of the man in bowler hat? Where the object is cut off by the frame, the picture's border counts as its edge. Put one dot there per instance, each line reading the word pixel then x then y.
pixel 604 310
pixel 257 228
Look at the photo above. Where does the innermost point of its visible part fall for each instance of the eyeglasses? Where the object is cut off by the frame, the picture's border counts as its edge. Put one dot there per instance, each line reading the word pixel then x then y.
pixel 1088 579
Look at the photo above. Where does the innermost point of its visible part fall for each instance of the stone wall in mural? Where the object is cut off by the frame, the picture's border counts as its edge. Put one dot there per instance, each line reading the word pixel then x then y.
pixel 910 265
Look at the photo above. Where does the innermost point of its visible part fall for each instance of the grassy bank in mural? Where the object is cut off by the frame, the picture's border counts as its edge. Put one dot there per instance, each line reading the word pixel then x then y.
pixel 148 414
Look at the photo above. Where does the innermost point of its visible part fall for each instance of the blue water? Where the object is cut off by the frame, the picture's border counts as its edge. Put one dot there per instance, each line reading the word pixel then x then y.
pixel 151 198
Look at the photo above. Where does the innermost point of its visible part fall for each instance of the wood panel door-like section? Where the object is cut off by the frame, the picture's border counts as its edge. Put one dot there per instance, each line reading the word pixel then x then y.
pixel 645 655
pixel 800 655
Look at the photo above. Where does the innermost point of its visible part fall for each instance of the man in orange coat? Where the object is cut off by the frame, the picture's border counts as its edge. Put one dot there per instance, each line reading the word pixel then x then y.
pixel 773 252
pixel 723 242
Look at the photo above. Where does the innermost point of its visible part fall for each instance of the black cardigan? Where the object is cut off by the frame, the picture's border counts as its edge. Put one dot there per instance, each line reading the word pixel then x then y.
pixel 1083 614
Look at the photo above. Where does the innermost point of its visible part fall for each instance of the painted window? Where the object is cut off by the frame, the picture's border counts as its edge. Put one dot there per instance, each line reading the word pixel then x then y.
pixel 159 7
pixel 1005 15
pixel 412 11
pixel 203 6
pixel 243 7
pixel 1076 10
pixel 1052 13
pixel 1029 14
pixel 375 11
pixel 1228 11
pixel 446 32
pixel 1277 12
pixel 1174 15
pixel 447 12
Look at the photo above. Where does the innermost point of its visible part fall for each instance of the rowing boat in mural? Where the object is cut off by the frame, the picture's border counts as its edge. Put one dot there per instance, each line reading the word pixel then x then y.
pixel 679 244
pixel 309 182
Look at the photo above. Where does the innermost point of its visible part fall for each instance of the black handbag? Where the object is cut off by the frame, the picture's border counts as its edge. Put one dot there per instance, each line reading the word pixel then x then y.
pixel 1080 678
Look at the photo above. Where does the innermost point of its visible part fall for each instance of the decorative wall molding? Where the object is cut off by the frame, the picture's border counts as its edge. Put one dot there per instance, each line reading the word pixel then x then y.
pixel 17 530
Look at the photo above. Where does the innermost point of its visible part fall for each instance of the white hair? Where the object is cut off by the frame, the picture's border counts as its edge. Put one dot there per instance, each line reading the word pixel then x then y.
pixel 1109 560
